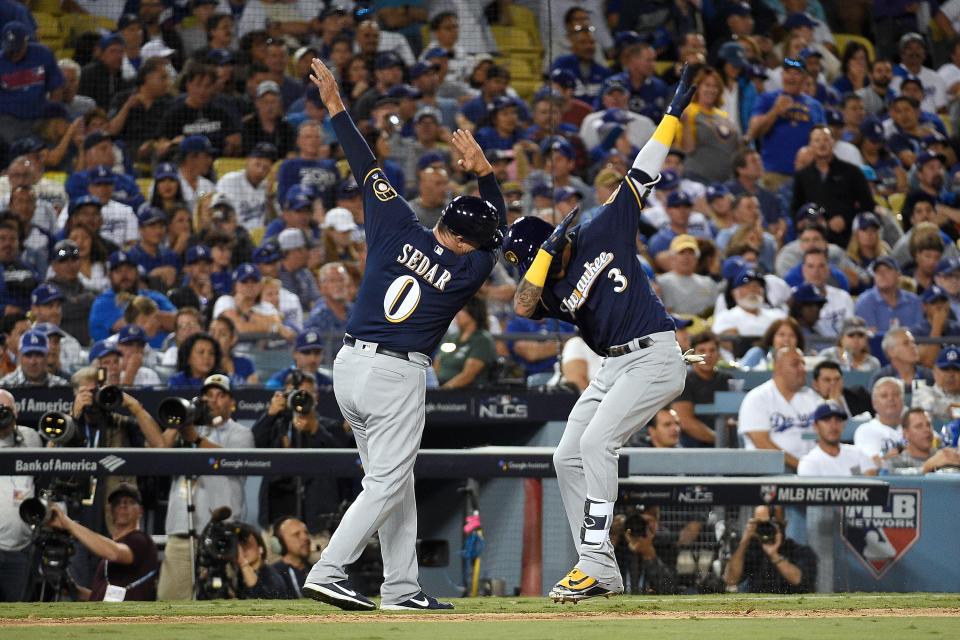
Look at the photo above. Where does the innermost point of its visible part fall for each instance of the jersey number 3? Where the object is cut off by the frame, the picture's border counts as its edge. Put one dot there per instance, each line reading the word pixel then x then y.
pixel 619 279
pixel 402 297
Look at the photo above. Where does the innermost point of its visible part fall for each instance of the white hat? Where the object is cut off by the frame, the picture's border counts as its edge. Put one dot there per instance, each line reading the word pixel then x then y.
pixel 339 219
pixel 291 239
pixel 217 380
pixel 155 49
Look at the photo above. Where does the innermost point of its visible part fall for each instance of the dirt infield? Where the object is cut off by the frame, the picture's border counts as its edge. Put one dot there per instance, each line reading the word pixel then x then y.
pixel 572 614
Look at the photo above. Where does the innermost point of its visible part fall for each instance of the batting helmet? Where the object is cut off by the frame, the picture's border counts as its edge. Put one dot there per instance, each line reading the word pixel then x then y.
pixel 523 240
pixel 475 219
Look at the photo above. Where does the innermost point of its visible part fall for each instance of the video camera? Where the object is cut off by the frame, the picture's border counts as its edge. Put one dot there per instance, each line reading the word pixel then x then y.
pixel 216 549
pixel 177 413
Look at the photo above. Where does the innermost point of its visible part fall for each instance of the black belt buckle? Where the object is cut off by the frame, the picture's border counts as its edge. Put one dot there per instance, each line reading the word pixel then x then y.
pixel 350 341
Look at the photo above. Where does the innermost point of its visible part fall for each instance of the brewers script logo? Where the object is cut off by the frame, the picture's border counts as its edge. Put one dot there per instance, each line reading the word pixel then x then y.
pixel 881 536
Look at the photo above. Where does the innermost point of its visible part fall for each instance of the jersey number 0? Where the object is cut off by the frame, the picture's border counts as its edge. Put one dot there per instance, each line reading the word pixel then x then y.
pixel 402 297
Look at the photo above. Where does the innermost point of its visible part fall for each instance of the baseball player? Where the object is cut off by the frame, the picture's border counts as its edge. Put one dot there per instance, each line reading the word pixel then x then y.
pixel 415 281
pixel 590 275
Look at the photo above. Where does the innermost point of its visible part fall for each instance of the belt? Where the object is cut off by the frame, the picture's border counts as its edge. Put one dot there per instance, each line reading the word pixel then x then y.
pixel 351 341
pixel 623 349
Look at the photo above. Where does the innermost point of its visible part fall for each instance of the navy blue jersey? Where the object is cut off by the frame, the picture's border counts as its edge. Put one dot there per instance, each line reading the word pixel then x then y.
pixel 412 286
pixel 605 290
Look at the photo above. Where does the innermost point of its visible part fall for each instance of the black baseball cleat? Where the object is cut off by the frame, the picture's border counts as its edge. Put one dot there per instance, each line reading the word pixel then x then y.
pixel 339 594
pixel 419 602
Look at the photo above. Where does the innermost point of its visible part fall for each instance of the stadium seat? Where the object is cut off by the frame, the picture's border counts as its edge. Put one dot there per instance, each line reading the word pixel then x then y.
pixel 257 235
pixel 223 166
pixel 896 203
pixel 662 66
pixel 57 176
pixel 51 7
pixel 514 40
pixel 50 31
pixel 145 184
pixel 843 38
pixel 76 23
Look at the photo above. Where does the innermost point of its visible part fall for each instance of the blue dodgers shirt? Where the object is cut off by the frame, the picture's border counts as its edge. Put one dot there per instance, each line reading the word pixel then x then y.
pixel 322 175
pixel 24 85
pixel 105 312
pixel 125 188
pixel 412 286
pixel 649 99
pixel 589 83
pixel 790 131
pixel 164 258
pixel 543 327
pixel 605 290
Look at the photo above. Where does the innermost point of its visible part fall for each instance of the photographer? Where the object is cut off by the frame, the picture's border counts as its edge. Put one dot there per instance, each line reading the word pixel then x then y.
pixel 128 569
pixel 258 580
pixel 767 562
pixel 207 492
pixel 291 422
pixel 14 533
pixel 632 536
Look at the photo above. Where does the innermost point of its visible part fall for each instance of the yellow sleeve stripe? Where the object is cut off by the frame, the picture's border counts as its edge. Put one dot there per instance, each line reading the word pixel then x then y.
pixel 633 188
pixel 368 175
pixel 666 130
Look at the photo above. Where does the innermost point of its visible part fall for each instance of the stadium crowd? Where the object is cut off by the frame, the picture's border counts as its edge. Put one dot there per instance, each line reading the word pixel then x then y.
pixel 175 203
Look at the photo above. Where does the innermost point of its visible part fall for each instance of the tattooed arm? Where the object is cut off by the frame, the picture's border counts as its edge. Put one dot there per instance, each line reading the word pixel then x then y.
pixel 526 299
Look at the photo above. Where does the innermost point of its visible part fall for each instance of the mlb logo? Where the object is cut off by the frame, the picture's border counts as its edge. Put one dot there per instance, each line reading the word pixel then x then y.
pixel 881 536
pixel 768 493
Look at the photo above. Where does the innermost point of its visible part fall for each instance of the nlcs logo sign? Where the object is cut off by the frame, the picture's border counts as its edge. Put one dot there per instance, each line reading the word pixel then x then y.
pixel 881 536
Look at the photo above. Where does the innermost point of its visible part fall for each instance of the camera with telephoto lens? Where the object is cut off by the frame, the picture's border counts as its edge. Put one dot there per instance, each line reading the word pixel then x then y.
pixel 767 530
pixel 107 397
pixel 177 413
pixel 298 400
pixel 60 429
pixel 636 525
pixel 216 549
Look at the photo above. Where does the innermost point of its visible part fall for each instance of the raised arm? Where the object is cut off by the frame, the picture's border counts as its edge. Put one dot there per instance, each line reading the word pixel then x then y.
pixel 531 286
pixel 473 160
pixel 361 159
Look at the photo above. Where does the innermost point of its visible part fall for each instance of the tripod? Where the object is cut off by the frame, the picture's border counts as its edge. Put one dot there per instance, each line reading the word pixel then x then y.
pixel 48 578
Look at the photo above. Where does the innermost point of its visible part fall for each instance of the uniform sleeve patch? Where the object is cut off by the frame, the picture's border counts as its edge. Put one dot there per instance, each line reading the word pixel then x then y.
pixel 383 190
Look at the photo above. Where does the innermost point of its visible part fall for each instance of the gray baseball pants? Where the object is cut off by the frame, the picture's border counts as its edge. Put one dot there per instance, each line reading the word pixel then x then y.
pixel 382 397
pixel 623 397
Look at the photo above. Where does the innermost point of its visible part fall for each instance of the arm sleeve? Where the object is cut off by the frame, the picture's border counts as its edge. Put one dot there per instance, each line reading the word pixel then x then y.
pixel 358 154
pixel 490 191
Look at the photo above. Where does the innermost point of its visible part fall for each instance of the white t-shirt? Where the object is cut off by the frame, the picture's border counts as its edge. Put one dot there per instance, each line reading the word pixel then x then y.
pixel 225 303
pixel 873 437
pixel 119 225
pixel 778 294
pixel 290 309
pixel 934 89
pixel 765 409
pixel 850 461
pixel 639 129
pixel 838 307
pixel 250 201
pixel 950 73
pixel 576 349
pixel 107 8
pixel 15 534
pixel 746 323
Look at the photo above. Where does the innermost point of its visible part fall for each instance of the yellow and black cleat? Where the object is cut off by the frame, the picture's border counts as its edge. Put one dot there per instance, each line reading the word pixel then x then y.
pixel 577 586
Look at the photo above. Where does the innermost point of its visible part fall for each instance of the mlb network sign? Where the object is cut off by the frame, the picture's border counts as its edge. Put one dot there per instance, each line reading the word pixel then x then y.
pixel 881 536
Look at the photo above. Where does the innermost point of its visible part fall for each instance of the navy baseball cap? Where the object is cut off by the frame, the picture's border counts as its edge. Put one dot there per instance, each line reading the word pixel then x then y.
pixel 94 138
pixel 102 348
pixel 556 143
pixel 733 266
pixel 348 189
pixel 309 340
pixel 266 253
pixel 247 271
pixel 437 52
pixel 948 265
pixel 499 155
pixel 854 325
pixel 809 52
pixel 110 40
pixel 834 117
pixel 427 111
pixel 219 57
pixel 679 198
pixel 297 199
pixel 45 294
pixel 739 9
pixel 669 179
pixel 934 293
pixel 565 193
pixel 118 258
pixel 131 333
pixel 746 276
pixel 27 145
pixel 828 410
pixel 387 60
pixel 806 293
pixel 564 78
pixel 15 36
pixel 33 341
pixel 949 357
pixel 49 329
pixel 926 156
pixel 619 116
pixel 734 53
pixel 430 158
pixel 613 83
pixel 681 323
pixel 421 68
pixel 866 219
pixel 887 260
pixel 197 144
pixel 909 37
pixel 542 190
pixel 404 92
pixel 53 110
pixel 798 19
pixel 150 215
pixel 755 71
pixel 166 171
pixel 872 129
pixel 625 39
pixel 264 150
pixel 101 174
pixel 197 253
pixel 716 190
pixel 128 19
pixel 83 201
pixel 498 103
pixel 809 212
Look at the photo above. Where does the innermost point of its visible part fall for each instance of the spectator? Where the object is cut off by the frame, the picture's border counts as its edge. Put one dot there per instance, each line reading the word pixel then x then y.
pixel 703 380
pixel 782 120
pixel 906 137
pixel 876 154
pixel 913 52
pixel 329 314
pixel 128 558
pixel 28 72
pixel 778 413
pixel 223 223
pixel 941 400
pixel 36 243
pixel 167 189
pixel 106 315
pixel 32 368
pixel 245 308
pixel 682 289
pixel 948 278
pixel 240 369
pixel 648 94
pixel 926 249
pixel 159 263
pixel 137 357
pixel 267 257
pixel 387 72
pixel 294 273
pixel 882 436
pixel 189 321
pixel 918 455
pixel 77 299
pixel 209 492
pixel 852 351
pixel 537 356
pixel 258 580
pixel 918 207
pixel 297 214
pixel 196 158
pixel 195 37
pixel 46 306
pixel 831 457
pixel 866 245
pixel 901 350
pixel 573 112
pixel 248 186
pixel 307 356
pixel 749 317
pixel 771 564
pixel 102 78
pixel 266 124
pixel 198 358
pixel 708 136
pixel 579 364
pixel 838 305
pixel 14 325
pixel 308 167
pixel 885 305
pixel 580 61
pixel 432 185
pixel 197 117
pixel 503 130
pixel 784 332
pixel 197 289
pixel 119 223
pixel 294 563
pixel 468 358
pixel 747 216
pixel 828 382
pixel 16 535
pixel 937 322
